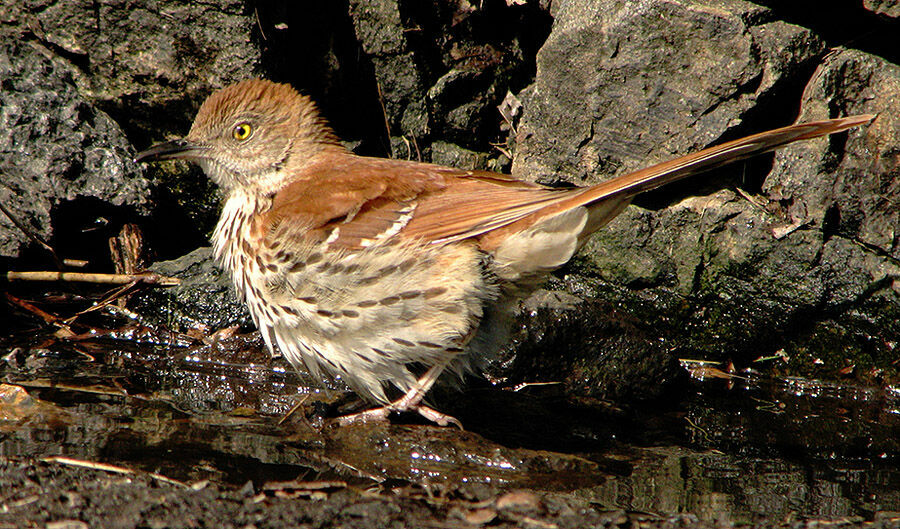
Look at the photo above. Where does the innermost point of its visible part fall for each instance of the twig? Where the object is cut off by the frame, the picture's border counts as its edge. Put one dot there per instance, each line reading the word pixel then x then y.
pixel 116 294
pixel 44 315
pixel 75 263
pixel 125 249
pixel 418 152
pixel 752 200
pixel 503 150
pixel 259 23
pixel 408 148
pixel 62 460
pixel 148 278
pixel 293 409
pixel 42 383
pixel 387 123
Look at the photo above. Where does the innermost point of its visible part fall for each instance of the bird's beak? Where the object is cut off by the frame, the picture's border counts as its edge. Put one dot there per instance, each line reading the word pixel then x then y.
pixel 170 150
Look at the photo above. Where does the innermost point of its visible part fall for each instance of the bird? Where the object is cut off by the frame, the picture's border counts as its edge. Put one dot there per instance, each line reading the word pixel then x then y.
pixel 386 273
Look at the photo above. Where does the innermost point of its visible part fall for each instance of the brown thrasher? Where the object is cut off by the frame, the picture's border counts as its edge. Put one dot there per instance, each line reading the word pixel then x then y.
pixel 386 272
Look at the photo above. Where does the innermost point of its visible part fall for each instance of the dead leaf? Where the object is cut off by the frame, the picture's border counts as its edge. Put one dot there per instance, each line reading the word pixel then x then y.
pixel 518 499
pixel 480 516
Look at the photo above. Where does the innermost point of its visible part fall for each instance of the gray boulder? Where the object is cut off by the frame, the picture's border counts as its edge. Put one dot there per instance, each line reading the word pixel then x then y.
pixel 65 164
pixel 751 259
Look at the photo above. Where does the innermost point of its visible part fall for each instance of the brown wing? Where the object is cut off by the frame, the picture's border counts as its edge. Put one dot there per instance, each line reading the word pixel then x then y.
pixel 338 183
pixel 354 201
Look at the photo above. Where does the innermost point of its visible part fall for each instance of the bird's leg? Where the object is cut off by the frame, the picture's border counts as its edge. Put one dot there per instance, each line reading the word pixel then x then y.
pixel 412 400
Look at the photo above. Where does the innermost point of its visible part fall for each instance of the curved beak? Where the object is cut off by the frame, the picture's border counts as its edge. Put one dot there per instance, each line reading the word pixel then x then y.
pixel 175 149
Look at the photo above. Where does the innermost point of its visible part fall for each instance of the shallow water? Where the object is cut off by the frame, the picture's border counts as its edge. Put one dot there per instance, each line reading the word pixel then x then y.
pixel 734 449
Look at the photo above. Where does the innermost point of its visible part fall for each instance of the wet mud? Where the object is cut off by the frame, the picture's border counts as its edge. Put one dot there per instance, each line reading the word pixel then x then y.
pixel 133 430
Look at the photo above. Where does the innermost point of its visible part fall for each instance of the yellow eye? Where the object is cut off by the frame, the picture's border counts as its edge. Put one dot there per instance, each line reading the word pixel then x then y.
pixel 242 131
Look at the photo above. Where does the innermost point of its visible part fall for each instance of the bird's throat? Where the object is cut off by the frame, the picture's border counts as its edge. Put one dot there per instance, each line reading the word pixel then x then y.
pixel 237 232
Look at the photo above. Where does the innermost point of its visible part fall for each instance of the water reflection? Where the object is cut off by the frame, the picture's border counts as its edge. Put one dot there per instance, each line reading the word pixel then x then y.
pixel 738 450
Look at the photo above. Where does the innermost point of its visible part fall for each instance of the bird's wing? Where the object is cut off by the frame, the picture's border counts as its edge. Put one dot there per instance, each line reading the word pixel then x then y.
pixel 354 202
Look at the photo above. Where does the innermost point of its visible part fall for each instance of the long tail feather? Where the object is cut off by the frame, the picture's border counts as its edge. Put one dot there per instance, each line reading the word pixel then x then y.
pixel 608 199
pixel 713 157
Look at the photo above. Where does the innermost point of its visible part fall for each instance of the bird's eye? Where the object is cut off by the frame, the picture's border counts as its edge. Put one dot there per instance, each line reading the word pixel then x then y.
pixel 242 131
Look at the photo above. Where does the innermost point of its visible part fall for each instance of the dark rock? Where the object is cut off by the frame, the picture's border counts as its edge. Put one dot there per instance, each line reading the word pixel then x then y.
pixel 591 349
pixel 464 56
pixel 888 8
pixel 149 65
pixel 451 155
pixel 142 57
pixel 463 103
pixel 66 166
pixel 481 52
pixel 205 296
pixel 752 271
pixel 622 86
pixel 856 202
pixel 724 274
pixel 380 31
pixel 846 188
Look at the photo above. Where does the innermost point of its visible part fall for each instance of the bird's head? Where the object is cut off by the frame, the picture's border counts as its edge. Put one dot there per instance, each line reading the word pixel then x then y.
pixel 250 134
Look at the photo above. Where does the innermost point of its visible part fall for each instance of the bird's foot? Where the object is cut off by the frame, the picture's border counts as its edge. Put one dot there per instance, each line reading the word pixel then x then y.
pixel 381 414
pixel 441 419
pixel 410 401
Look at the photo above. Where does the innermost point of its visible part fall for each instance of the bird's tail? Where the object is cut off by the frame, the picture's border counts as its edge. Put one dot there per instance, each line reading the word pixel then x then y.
pixel 607 199
pixel 661 174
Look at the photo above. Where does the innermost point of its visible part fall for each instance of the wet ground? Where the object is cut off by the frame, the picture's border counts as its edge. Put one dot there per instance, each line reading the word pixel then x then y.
pixel 135 429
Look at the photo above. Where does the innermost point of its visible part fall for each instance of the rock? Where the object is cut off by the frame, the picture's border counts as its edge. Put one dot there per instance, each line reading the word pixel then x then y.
pixel 464 56
pixel 149 66
pixel 486 51
pixel 724 274
pixel 380 31
pixel 591 349
pixel 857 201
pixel 204 298
pixel 140 59
pixel 889 8
pixel 620 86
pixel 846 189
pixel 451 155
pixel 66 166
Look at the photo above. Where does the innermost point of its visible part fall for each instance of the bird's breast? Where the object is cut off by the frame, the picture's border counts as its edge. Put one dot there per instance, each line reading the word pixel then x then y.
pixel 237 241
